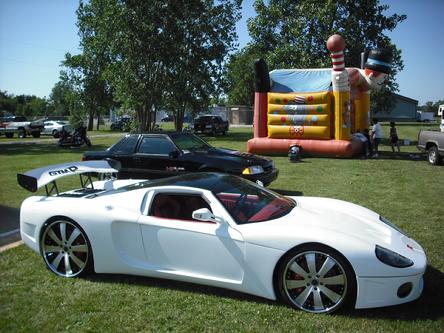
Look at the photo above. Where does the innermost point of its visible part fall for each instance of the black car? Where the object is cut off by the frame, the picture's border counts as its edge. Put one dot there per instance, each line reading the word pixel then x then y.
pixel 157 155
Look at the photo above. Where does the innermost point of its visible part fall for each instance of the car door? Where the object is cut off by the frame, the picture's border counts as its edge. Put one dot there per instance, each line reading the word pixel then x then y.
pixel 123 152
pixel 176 243
pixel 153 157
pixel 48 126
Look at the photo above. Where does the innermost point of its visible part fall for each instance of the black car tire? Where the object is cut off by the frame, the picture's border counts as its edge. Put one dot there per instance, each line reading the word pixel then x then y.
pixel 308 290
pixel 36 134
pixel 21 133
pixel 9 135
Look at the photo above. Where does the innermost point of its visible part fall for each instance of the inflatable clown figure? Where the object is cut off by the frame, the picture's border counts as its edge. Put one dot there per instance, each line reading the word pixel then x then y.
pixel 316 109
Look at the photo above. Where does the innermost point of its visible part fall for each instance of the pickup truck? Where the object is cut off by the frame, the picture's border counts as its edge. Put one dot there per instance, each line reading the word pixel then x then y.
pixel 210 124
pixel 432 142
pixel 23 127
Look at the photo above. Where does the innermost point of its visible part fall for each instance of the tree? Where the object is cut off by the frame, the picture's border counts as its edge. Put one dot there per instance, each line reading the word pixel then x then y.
pixel 87 69
pixel 431 106
pixel 204 34
pixel 66 99
pixel 240 76
pixel 7 102
pixel 293 34
pixel 159 53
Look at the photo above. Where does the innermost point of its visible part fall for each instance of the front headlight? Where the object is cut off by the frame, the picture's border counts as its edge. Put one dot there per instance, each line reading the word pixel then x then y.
pixel 392 258
pixel 255 169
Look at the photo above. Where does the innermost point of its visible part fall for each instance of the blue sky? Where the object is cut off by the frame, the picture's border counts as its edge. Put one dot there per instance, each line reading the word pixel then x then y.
pixel 35 35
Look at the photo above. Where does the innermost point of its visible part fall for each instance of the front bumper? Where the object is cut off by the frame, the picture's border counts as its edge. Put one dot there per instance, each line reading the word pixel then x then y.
pixel 383 291
pixel 266 177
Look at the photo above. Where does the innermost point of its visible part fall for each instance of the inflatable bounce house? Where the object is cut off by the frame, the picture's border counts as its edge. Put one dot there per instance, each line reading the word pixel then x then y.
pixel 316 109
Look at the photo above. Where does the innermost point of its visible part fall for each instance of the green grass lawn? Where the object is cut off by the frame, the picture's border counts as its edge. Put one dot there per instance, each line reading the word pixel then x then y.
pixel 402 187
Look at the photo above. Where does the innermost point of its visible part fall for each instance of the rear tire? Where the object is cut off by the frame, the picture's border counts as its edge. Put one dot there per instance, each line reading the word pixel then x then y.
pixel 433 155
pixel 36 134
pixel 9 135
pixel 65 248
pixel 315 278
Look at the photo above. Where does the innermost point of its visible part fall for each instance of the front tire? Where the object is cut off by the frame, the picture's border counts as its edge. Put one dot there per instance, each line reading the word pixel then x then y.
pixel 65 248
pixel 433 155
pixel 315 278
pixel 21 133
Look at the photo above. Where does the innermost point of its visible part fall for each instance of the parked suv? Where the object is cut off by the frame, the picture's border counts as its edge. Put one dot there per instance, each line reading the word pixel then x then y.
pixel 211 125
pixel 121 124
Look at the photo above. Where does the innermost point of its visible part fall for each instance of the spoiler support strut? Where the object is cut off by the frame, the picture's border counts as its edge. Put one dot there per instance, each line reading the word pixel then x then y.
pixel 50 190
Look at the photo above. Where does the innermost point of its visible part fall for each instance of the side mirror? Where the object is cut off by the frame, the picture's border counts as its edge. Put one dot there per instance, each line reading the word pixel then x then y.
pixel 204 214
pixel 174 154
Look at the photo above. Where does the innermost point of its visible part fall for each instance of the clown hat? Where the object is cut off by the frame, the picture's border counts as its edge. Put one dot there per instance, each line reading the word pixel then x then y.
pixel 379 60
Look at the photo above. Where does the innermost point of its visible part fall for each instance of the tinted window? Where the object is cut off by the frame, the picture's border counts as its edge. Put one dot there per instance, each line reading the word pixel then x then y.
pixel 125 146
pixel 156 145
pixel 189 142
pixel 177 206
pixel 19 119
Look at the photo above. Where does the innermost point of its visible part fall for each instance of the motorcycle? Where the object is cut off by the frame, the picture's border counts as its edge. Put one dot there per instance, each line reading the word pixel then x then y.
pixel 75 139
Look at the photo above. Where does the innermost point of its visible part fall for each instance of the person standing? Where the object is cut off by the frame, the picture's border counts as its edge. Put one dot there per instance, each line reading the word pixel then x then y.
pixel 394 140
pixel 376 136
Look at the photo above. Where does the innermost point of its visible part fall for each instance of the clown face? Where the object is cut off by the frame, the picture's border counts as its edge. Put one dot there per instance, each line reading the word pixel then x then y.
pixel 374 79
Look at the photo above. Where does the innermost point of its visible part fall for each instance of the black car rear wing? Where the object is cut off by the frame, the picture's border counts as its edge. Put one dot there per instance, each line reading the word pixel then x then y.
pixel 46 176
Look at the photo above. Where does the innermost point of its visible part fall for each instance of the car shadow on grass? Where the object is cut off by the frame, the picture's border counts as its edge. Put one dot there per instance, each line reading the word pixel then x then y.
pixel 229 137
pixel 429 306
pixel 404 156
pixel 43 149
pixel 178 286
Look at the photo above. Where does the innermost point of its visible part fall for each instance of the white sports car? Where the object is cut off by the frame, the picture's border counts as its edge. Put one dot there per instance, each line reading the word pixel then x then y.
pixel 316 254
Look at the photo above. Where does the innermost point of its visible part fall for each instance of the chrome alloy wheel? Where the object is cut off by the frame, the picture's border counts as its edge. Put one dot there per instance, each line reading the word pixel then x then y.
pixel 65 248
pixel 433 156
pixel 315 282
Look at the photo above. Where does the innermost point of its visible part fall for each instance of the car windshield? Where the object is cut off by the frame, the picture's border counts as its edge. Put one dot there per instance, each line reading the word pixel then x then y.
pixel 248 203
pixel 189 142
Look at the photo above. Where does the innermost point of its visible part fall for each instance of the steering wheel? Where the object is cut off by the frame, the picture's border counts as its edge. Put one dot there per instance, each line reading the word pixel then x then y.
pixel 239 203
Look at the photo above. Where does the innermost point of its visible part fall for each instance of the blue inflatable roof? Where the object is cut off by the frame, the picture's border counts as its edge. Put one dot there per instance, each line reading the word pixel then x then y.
pixel 300 80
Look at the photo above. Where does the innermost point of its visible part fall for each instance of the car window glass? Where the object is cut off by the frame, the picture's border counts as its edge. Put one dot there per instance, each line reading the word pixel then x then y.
pixel 189 142
pixel 177 206
pixel 249 203
pixel 126 145
pixel 156 145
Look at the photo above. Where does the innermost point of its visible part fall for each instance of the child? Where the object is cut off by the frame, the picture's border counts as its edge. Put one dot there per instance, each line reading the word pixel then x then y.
pixel 394 136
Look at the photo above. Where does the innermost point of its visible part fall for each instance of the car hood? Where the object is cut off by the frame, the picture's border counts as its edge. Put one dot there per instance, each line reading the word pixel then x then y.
pixel 330 221
pixel 352 230
pixel 244 159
